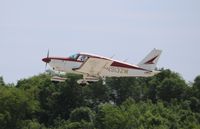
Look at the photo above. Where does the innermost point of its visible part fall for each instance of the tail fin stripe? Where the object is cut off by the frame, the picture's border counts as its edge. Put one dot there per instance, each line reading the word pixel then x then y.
pixel 151 61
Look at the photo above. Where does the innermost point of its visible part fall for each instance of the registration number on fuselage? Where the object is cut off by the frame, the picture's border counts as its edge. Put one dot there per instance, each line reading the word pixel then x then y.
pixel 117 70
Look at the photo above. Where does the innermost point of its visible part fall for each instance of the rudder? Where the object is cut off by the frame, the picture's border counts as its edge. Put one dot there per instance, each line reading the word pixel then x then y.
pixel 150 61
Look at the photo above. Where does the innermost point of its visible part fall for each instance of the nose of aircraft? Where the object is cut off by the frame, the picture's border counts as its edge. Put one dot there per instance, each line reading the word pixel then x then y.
pixel 46 60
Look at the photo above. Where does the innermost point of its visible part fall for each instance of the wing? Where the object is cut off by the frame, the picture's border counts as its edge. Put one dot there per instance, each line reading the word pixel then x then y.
pixel 94 66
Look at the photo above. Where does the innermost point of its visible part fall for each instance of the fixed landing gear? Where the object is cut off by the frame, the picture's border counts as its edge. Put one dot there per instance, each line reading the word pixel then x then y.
pixel 58 79
pixel 89 80
pixel 86 80
pixel 82 82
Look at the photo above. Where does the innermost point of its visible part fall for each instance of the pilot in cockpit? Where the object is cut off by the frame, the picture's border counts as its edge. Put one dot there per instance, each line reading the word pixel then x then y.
pixel 82 58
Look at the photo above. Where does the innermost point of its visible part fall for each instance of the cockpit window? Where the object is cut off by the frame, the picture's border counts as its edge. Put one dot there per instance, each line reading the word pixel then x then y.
pixel 82 58
pixel 74 56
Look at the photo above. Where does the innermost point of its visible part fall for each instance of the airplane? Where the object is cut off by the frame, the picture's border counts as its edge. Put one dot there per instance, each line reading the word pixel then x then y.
pixel 94 67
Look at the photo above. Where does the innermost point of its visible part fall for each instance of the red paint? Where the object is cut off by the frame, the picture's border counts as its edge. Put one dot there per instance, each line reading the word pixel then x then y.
pixel 115 63
pixel 119 64
pixel 48 59
pixel 151 61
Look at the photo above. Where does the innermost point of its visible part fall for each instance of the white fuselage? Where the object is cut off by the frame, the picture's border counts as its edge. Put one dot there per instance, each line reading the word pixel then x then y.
pixel 93 67
pixel 111 71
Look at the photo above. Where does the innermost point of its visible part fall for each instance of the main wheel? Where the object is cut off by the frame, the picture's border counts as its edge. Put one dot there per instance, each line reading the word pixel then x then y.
pixel 82 82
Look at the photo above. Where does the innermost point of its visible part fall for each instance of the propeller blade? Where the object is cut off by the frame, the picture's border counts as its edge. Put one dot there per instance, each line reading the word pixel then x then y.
pixel 47 57
pixel 45 66
pixel 48 53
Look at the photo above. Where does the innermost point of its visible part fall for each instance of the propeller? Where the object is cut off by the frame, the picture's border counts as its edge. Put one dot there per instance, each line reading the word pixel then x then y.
pixel 47 58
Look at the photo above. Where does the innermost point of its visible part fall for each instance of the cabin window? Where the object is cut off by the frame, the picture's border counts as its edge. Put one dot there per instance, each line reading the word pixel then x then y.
pixel 82 58
pixel 74 56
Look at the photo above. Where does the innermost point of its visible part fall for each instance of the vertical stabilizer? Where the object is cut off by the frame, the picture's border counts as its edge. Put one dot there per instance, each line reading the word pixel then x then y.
pixel 150 61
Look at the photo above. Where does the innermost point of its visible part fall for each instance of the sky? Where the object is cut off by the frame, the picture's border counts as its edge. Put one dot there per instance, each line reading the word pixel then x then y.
pixel 128 29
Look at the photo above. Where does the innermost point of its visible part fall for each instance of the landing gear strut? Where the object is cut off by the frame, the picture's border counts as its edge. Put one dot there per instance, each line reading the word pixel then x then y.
pixel 88 80
pixel 82 82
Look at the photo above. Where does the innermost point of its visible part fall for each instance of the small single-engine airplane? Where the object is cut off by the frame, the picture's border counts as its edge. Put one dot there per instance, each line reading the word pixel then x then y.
pixel 95 67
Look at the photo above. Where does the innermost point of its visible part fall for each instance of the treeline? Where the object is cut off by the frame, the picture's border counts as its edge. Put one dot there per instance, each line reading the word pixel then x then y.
pixel 164 101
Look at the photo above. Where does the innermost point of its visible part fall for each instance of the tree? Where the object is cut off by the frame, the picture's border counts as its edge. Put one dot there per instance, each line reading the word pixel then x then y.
pixel 2 81
pixel 109 117
pixel 16 106
pixel 123 88
pixel 96 93
pixel 166 73
pixel 196 84
pixel 159 102
pixel 32 124
pixel 172 88
pixel 152 92
pixel 194 104
pixel 196 90
pixel 82 113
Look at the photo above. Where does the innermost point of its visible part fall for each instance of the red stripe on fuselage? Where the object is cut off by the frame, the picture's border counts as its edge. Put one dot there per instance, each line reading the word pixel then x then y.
pixel 63 59
pixel 119 64
pixel 115 63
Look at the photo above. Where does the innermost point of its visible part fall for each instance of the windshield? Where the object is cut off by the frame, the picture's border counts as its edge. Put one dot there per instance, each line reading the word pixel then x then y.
pixel 74 56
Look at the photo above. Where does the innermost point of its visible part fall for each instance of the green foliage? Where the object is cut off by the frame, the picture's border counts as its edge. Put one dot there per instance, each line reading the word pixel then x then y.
pixel 197 83
pixel 144 115
pixel 194 104
pixel 98 93
pixel 1 81
pixel 172 88
pixel 163 101
pixel 75 125
pixel 32 124
pixel 16 106
pixel 82 113
pixel 122 88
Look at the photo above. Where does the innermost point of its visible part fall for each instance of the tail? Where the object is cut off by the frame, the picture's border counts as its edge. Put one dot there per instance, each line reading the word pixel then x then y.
pixel 150 61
